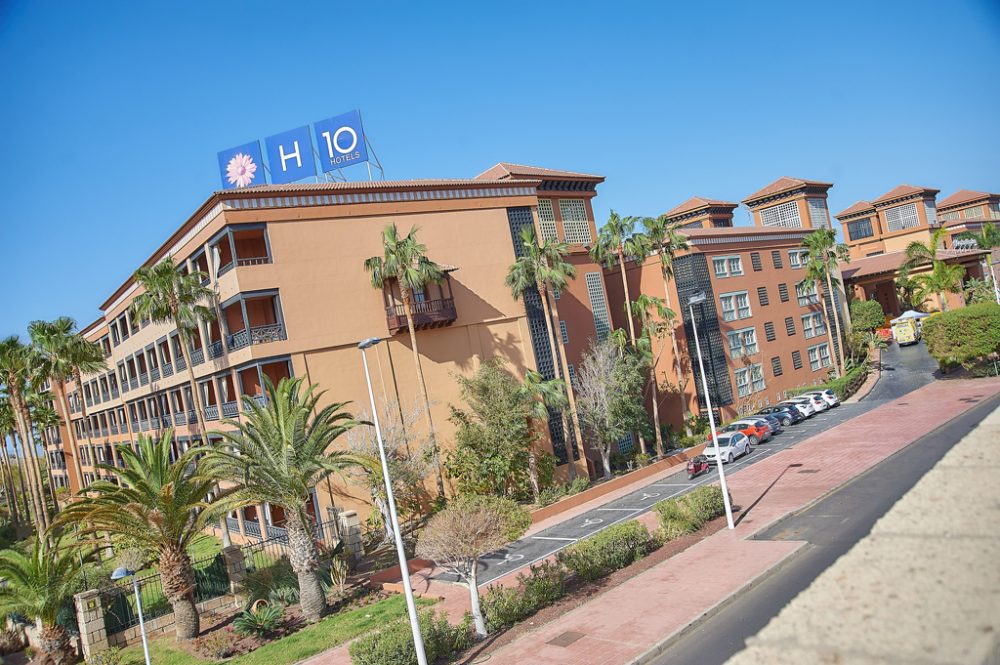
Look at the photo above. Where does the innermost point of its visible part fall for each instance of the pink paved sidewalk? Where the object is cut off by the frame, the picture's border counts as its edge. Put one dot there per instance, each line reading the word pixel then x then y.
pixel 624 622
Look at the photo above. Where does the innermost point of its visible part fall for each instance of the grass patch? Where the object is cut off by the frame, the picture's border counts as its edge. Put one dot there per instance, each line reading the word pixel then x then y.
pixel 311 640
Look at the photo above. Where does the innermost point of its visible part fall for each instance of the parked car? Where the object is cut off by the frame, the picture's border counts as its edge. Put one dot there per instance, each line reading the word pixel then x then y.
pixel 774 422
pixel 805 406
pixel 731 446
pixel 787 413
pixel 818 402
pixel 828 396
pixel 755 430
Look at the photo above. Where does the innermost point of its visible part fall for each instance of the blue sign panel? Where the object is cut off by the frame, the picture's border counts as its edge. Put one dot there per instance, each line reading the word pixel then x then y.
pixel 242 166
pixel 340 141
pixel 290 156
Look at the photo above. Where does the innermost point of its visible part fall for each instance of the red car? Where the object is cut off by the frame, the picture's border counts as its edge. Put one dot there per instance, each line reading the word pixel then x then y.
pixel 755 430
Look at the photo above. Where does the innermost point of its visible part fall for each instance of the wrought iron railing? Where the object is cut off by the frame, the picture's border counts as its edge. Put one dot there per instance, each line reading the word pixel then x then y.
pixel 251 528
pixel 166 420
pixel 167 369
pixel 427 312
pixel 180 418
pixel 253 261
pixel 133 384
pixel 257 335
pixel 230 410
pixel 154 374
pixel 212 412
pixel 215 349
pixel 197 356
pixel 144 378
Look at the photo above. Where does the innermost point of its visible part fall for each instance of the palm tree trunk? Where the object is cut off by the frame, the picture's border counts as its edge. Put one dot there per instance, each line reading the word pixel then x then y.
pixel 305 562
pixel 22 490
pixel 436 452
pixel 8 483
pixel 53 645
pixel 574 418
pixel 60 387
pixel 31 505
pixel 544 295
pixel 36 468
pixel 681 381
pixel 829 328
pixel 27 441
pixel 656 411
pixel 836 321
pixel 48 471
pixel 177 578
pixel 943 300
pixel 631 327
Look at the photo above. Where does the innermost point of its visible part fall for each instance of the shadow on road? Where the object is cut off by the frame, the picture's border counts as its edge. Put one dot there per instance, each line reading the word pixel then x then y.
pixel 746 511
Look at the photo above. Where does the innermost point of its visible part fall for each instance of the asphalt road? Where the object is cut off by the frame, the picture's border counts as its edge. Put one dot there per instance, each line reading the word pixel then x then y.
pixel 905 370
pixel 830 527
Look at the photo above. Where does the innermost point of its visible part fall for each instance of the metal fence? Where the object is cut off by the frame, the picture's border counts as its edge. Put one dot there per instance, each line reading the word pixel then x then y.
pixel 267 552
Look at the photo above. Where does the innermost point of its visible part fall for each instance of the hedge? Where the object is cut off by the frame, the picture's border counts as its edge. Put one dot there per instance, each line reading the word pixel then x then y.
pixel 867 314
pixel 506 606
pixel 843 387
pixel 687 514
pixel 394 644
pixel 963 336
pixel 609 550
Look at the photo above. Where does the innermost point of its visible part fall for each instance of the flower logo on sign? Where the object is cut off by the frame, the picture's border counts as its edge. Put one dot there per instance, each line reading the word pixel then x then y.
pixel 241 170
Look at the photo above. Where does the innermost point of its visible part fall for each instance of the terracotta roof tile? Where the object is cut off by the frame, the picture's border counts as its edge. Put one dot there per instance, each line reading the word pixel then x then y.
pixel 364 185
pixel 860 206
pixel 697 202
pixel 742 231
pixel 874 265
pixel 505 170
pixel 784 184
pixel 903 190
pixel 963 196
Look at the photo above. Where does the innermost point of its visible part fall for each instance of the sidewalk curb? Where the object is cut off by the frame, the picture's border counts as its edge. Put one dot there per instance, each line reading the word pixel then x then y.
pixel 660 647
pixel 858 396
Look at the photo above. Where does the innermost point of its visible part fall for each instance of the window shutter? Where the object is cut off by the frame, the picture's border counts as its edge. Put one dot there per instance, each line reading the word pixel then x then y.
pixel 796 359
pixel 776 366
pixel 769 331
pixel 783 292
pixel 762 295
pixel 790 326
pixel 776 259
pixel 755 261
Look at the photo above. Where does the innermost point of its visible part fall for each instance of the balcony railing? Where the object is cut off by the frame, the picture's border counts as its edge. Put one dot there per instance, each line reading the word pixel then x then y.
pixel 192 416
pixel 144 378
pixel 104 396
pixel 167 369
pixel 212 412
pixel 114 428
pixel 252 528
pixel 133 384
pixel 426 314
pixel 253 261
pixel 114 393
pixel 166 419
pixel 180 364
pixel 226 268
pixel 257 335
pixel 90 402
pixel 230 410
pixel 260 399
pixel 154 374
pixel 143 425
pixel 197 356
pixel 233 524
pixel 276 531
pixel 180 418
pixel 154 422
pixel 215 349
pixel 104 431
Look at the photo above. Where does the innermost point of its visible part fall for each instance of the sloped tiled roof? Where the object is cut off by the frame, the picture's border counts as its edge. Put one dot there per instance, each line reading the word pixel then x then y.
pixel 785 184
pixel 874 265
pixel 860 206
pixel 963 196
pixel 742 231
pixel 360 185
pixel 696 202
pixel 505 170
pixel 901 191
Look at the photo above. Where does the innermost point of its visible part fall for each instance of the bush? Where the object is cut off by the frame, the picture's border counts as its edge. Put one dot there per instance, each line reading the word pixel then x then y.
pixel 609 550
pixel 260 622
pixel 963 336
pixel 277 584
pixel 112 656
pixel 544 584
pixel 394 644
pixel 843 387
pixel 506 606
pixel 687 514
pixel 579 484
pixel 516 518
pixel 867 315
pixel 218 644
pixel 550 495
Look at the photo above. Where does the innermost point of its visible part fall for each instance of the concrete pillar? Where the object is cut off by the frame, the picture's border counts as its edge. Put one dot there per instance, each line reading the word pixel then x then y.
pixel 235 569
pixel 350 531
pixel 90 618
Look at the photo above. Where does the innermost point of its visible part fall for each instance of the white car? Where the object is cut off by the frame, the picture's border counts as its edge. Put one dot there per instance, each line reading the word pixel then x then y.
pixel 731 446
pixel 827 395
pixel 803 405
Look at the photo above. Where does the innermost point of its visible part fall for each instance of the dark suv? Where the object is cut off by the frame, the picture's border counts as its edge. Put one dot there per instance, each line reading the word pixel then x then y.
pixel 786 414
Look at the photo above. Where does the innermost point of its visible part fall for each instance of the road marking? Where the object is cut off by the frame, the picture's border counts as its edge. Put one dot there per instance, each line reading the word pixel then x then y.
pixel 669 485
pixel 632 510
pixel 591 522
pixel 571 540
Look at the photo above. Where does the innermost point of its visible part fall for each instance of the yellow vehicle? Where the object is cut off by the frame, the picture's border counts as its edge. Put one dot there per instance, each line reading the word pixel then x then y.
pixel 905 332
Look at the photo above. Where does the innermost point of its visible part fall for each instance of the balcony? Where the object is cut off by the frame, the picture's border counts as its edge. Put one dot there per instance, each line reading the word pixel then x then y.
pixel 154 374
pixel 114 428
pixel 215 350
pixel 165 418
pixel 143 425
pixel 426 314
pixel 104 396
pixel 212 412
pixel 253 261
pixel 259 335
pixel 114 393
pixel 192 416
pixel 104 431
pixel 167 369
pixel 133 384
pixel 144 378
pixel 230 410
pixel 197 356
pixel 180 418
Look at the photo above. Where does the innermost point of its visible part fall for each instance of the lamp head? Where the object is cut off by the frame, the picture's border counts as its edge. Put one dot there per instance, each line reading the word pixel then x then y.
pixel 120 572
pixel 369 343
pixel 697 298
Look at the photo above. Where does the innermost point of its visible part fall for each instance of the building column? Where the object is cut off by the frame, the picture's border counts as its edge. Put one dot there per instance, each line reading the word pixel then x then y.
pixel 90 619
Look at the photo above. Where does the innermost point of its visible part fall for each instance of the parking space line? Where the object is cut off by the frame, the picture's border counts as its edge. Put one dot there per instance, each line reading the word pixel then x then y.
pixel 633 510
pixel 570 540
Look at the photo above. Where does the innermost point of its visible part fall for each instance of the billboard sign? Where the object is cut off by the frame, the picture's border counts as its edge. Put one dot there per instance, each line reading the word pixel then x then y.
pixel 290 155
pixel 242 166
pixel 340 141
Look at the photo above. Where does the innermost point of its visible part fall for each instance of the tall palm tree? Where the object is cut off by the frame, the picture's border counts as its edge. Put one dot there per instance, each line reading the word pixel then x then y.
pixel 920 253
pixel 988 236
pixel 172 297
pixel 617 242
pixel 17 369
pixel 942 279
pixel 655 320
pixel 665 240
pixel 160 507
pixel 39 584
pixel 277 455
pixel 7 429
pixel 544 267
pixel 66 355
pixel 46 417
pixel 545 395
pixel 405 260
pixel 824 256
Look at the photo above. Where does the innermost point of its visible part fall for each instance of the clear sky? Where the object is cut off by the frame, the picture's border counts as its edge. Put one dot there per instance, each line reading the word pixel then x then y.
pixel 112 113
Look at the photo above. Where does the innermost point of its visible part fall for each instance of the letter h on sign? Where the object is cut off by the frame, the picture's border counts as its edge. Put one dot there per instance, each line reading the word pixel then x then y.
pixel 290 155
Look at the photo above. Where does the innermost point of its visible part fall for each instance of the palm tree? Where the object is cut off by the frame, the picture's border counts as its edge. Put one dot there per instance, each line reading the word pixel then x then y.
pixel 45 417
pixel 17 369
pixel 66 355
pixel 544 267
pixel 7 428
pixel 158 505
pixel 618 242
pixel 405 260
pixel 277 455
pixel 644 308
pixel 824 256
pixel 545 395
pixel 919 253
pixel 171 297
pixel 988 236
pixel 942 278
pixel 665 240
pixel 39 585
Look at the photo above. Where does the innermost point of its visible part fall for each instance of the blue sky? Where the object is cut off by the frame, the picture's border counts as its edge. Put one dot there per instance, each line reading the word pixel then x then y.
pixel 113 113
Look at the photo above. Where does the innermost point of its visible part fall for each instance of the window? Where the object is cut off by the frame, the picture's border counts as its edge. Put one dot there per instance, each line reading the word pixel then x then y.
pixel 797 258
pixel 598 305
pixel 790 326
pixel 572 374
pixel 565 334
pixel 742 342
pixel 860 228
pixel 547 219
pixel 769 331
pixel 930 212
pixel 762 295
pixel 755 261
pixel 796 360
pixel 974 213
pixel 819 216
pixel 813 325
pixel 749 380
pixel 576 226
pixel 806 294
pixel 901 217
pixel 783 292
pixel 776 259
pixel 948 216
pixel 776 366
pixel 819 356
pixel 994 210
pixel 735 306
pixel 727 266
pixel 786 215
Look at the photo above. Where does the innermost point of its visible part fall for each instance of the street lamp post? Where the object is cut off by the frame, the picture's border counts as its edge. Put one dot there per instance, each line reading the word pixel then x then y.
pixel 404 571
pixel 697 299
pixel 118 574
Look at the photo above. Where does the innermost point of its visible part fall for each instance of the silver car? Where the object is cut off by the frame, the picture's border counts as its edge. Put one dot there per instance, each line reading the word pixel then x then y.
pixel 826 395
pixel 731 446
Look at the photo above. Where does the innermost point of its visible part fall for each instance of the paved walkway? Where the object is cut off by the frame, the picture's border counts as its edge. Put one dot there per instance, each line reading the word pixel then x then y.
pixel 923 587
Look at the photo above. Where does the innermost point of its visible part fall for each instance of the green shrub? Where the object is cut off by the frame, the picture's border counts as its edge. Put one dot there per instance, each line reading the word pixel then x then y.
pixel 550 495
pixel 544 584
pixel 394 644
pixel 867 314
pixel 609 550
pixel 506 606
pixel 687 514
pixel 112 656
pixel 963 336
pixel 516 518
pixel 260 622
pixel 843 387
pixel 579 484
pixel 277 584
